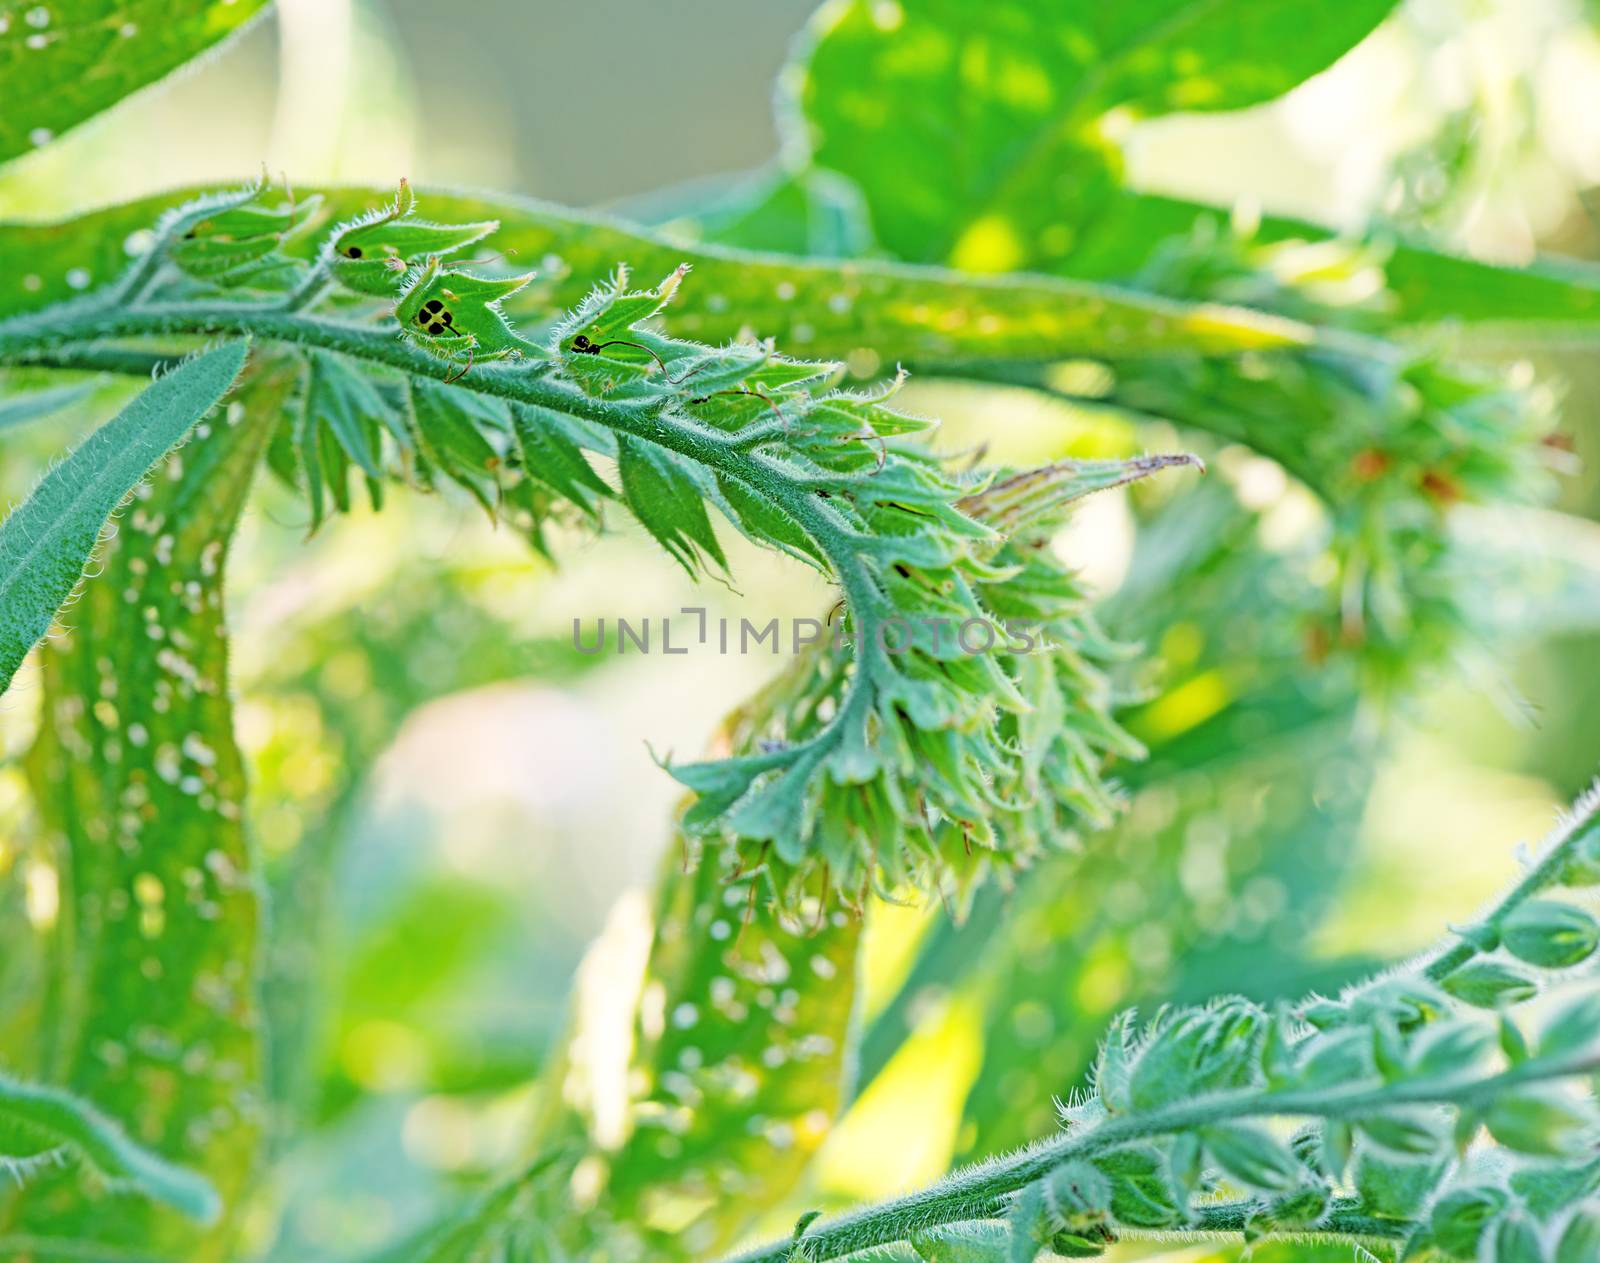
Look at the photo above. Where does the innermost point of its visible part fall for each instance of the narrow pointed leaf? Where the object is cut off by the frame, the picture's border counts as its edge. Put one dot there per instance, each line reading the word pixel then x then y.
pixel 46 541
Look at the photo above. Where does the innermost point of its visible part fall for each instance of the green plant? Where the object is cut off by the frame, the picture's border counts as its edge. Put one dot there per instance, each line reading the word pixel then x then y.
pixel 343 341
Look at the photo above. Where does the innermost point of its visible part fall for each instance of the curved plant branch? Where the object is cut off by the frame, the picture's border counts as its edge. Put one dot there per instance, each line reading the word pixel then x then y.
pixel 983 1192
pixel 1167 1132
pixel 1569 855
pixel 411 362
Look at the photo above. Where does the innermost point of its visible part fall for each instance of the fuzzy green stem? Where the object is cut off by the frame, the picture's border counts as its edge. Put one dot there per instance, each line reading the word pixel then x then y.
pixel 982 1192
pixel 1344 1223
pixel 1541 875
pixel 73 336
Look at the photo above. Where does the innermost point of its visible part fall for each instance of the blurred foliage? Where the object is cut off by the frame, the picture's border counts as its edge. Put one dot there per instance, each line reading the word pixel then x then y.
pixel 72 60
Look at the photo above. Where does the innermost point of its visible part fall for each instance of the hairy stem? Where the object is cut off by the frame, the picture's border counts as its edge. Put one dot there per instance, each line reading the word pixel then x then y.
pixel 1343 1224
pixel 1541 875
pixel 982 1192
pixel 74 336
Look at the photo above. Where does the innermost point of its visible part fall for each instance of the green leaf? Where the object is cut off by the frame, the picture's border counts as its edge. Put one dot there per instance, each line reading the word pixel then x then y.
pixel 35 1121
pixel 774 209
pixel 552 447
pixel 453 438
pixel 976 135
pixel 1461 1216
pixel 666 493
pixel 1396 1187
pixel 46 541
pixel 1517 1240
pixel 1573 1029
pixel 150 1009
pixel 1427 285
pixel 741 1050
pixel 820 307
pixel 64 63
pixel 1407 1134
pixel 1142 1195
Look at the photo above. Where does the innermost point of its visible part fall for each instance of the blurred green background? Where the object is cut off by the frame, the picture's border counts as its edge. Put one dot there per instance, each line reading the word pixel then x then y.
pixel 408 690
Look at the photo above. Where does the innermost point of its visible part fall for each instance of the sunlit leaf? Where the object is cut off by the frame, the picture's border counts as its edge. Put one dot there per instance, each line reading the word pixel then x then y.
pixel 1003 171
pixel 741 1052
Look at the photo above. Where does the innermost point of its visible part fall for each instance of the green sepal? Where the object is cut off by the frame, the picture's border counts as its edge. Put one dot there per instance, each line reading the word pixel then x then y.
pixel 1579 1241
pixel 1251 1157
pixel 1542 1119
pixel 1550 934
pixel 373 253
pixel 234 240
pixel 1461 1217
pixel 1489 984
pixel 456 315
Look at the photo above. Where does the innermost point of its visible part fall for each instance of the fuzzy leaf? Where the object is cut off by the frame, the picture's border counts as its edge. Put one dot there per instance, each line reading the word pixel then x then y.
pixel 1573 1029
pixel 45 542
pixel 1460 1218
pixel 1490 984
pixel 1396 1187
pixel 903 315
pixel 1142 1195
pixel 1517 1240
pixel 460 436
pixel 1580 1238
pixel 552 447
pixel 667 495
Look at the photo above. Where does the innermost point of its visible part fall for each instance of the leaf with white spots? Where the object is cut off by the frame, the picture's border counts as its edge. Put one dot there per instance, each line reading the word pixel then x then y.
pixel 829 308
pixel 742 1051
pixel 151 1010
pixel 46 541
pixel 64 61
